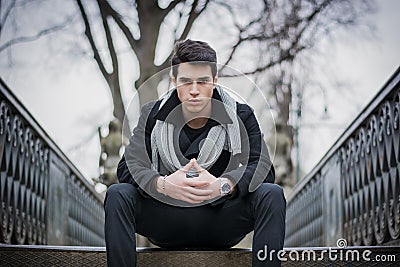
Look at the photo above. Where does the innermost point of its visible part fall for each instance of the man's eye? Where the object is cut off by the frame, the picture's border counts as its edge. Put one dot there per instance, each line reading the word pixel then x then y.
pixel 203 81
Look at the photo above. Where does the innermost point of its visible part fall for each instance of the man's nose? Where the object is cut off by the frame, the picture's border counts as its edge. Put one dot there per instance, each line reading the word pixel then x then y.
pixel 194 89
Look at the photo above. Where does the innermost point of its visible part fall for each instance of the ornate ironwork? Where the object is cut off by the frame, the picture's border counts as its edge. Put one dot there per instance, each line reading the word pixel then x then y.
pixel 43 197
pixel 305 212
pixel 365 165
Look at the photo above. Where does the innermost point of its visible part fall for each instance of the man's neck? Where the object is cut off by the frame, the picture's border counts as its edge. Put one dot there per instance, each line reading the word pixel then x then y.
pixel 200 119
pixel 197 123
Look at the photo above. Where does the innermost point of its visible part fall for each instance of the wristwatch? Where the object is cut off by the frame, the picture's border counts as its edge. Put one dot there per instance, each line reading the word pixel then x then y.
pixel 225 188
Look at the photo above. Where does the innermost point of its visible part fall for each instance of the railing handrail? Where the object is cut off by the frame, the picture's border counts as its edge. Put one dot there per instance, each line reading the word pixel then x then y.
pixel 356 123
pixel 10 96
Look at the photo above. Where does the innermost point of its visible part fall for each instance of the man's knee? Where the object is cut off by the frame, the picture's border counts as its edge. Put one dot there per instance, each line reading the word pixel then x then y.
pixel 272 192
pixel 119 193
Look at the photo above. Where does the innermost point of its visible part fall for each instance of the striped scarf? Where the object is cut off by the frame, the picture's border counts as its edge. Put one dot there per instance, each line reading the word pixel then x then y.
pixel 219 137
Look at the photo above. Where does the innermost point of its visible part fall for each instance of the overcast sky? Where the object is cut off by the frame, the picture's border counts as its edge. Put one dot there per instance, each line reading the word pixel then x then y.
pixel 69 97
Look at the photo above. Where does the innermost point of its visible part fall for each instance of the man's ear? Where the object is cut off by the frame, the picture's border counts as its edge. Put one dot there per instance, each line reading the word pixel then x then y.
pixel 216 78
pixel 173 80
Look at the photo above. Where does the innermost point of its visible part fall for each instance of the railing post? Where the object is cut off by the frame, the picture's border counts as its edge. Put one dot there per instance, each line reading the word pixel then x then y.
pixel 57 205
pixel 332 202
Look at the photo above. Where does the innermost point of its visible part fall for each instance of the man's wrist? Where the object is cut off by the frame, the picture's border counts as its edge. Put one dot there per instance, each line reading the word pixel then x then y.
pixel 231 184
pixel 157 183
pixel 160 184
pixel 225 184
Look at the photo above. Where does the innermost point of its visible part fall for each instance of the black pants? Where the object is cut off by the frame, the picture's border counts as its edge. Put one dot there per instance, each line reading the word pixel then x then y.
pixel 220 226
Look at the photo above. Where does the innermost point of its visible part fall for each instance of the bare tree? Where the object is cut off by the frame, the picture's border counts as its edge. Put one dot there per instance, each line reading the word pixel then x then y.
pixel 143 43
pixel 285 32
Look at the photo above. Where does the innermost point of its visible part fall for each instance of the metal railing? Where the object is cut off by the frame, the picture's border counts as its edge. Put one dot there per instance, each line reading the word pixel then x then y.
pixel 44 199
pixel 354 191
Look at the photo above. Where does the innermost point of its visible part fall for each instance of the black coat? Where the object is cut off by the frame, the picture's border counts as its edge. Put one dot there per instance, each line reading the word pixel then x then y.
pixel 247 169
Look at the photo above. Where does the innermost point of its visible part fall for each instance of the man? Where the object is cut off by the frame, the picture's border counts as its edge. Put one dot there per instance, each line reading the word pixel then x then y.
pixel 196 173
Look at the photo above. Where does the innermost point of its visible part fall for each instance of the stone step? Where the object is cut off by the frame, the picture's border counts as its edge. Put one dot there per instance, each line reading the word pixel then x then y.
pixel 96 256
pixel 24 255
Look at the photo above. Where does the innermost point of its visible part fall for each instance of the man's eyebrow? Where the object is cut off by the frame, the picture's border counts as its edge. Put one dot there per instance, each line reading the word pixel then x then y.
pixel 200 78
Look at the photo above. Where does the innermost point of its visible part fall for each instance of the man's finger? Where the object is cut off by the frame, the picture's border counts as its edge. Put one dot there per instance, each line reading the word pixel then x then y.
pixel 188 166
pixel 197 180
pixel 197 166
pixel 199 192
pixel 196 198
pixel 194 183
pixel 191 201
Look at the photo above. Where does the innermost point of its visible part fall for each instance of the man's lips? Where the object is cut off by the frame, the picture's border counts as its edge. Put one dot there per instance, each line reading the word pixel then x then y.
pixel 194 101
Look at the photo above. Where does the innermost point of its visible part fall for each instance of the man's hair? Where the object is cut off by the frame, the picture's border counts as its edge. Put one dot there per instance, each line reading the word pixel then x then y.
pixel 193 51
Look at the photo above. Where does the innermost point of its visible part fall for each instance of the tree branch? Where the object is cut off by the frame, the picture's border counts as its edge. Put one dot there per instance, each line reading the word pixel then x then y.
pixel 103 4
pixel 89 35
pixel 193 15
pixel 171 7
pixel 25 39
pixel 110 44
pixel 230 9
pixel 241 30
pixel 288 54
pixel 286 57
pixel 6 14
pixel 234 48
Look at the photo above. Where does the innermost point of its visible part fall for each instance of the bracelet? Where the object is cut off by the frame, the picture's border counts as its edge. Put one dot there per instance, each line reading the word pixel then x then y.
pixel 163 185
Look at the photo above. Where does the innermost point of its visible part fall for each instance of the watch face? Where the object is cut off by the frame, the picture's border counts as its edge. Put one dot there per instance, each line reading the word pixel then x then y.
pixel 226 188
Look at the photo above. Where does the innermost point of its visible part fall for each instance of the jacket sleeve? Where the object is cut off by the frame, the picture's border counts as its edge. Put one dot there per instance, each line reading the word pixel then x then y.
pixel 135 165
pixel 255 165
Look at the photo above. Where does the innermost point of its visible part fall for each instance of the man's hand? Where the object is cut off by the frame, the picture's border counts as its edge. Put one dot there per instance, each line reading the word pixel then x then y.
pixel 214 184
pixel 179 187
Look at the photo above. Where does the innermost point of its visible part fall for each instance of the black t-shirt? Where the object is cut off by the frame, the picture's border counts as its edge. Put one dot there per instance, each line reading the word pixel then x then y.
pixel 192 134
pixel 189 137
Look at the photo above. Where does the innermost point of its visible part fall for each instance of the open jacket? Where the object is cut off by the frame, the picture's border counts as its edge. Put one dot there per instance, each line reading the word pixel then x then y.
pixel 247 169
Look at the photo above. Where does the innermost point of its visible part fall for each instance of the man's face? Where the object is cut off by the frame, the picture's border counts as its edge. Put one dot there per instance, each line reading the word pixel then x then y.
pixel 195 84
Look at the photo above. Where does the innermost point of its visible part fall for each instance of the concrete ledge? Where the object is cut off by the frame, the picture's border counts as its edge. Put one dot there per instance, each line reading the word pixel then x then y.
pixel 13 255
